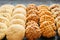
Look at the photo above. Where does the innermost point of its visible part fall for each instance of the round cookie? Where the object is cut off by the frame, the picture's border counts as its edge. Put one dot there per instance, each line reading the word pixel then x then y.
pixel 19 16
pixel 47 29
pixel 32 11
pixel 19 11
pixel 31 23
pixel 33 17
pixel 3 28
pixel 31 6
pixel 4 20
pixel 33 32
pixel 20 5
pixel 15 32
pixel 43 7
pixel 18 21
pixel 46 18
pixel 54 6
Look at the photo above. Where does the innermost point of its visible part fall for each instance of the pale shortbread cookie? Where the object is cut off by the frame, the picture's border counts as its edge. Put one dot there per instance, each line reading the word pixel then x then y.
pixel 15 32
pixel 4 20
pixel 19 11
pixel 7 8
pixel 3 28
pixel 19 16
pixel 18 21
pixel 20 5
pixel 6 15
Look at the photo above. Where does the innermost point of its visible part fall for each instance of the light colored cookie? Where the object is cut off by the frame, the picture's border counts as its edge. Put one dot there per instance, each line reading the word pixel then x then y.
pixel 59 31
pixel 19 11
pixel 3 28
pixel 4 20
pixel 20 5
pixel 33 17
pixel 15 32
pixel 47 29
pixel 6 15
pixel 46 18
pixel 7 8
pixel 33 32
pixel 18 21
pixel 19 16
pixel 43 7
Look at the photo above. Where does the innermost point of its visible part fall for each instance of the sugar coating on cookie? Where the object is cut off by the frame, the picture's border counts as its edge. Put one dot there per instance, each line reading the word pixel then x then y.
pixel 15 32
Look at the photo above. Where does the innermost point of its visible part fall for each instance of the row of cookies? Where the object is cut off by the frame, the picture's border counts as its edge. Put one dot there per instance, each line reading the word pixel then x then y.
pixel 55 9
pixel 32 28
pixel 47 23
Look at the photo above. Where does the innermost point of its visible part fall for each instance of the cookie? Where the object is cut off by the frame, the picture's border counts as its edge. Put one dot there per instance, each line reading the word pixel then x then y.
pixel 3 28
pixel 33 17
pixel 33 32
pixel 19 16
pixel 46 18
pixel 47 29
pixel 59 31
pixel 17 21
pixel 15 32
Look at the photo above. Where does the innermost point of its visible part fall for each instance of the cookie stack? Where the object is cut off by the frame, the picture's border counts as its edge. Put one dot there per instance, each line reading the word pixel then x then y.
pixel 5 15
pixel 32 29
pixel 55 9
pixel 47 23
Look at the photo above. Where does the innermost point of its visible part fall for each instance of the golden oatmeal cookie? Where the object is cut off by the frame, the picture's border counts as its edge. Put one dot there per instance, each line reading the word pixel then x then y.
pixel 54 6
pixel 20 5
pixel 15 32
pixel 59 31
pixel 6 15
pixel 32 11
pixel 47 29
pixel 31 6
pixel 46 18
pixel 33 32
pixel 19 11
pixel 45 13
pixel 56 12
pixel 7 8
pixel 43 7
pixel 19 16
pixel 31 23
pixel 4 20
pixel 17 21
pixel 33 17
pixel 3 28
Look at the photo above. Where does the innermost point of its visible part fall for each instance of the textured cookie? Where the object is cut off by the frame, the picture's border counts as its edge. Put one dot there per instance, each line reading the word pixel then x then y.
pixel 43 7
pixel 19 11
pixel 44 12
pixel 33 17
pixel 15 32
pixel 18 21
pixel 31 6
pixel 47 29
pixel 33 32
pixel 4 20
pixel 31 11
pixel 31 23
pixel 46 18
pixel 3 28
pixel 19 16
pixel 20 5
pixel 54 6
